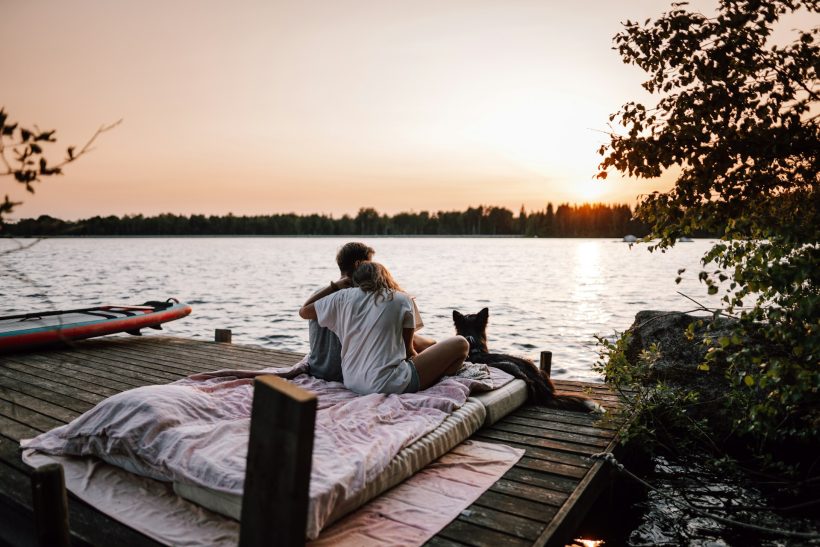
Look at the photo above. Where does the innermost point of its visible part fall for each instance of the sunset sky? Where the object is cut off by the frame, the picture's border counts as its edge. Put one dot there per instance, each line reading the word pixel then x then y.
pixel 267 106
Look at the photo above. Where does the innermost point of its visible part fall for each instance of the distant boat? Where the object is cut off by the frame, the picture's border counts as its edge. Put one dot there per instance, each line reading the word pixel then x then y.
pixel 629 238
pixel 686 239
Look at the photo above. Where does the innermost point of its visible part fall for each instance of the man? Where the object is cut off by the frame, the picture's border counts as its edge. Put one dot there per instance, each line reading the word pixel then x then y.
pixel 325 359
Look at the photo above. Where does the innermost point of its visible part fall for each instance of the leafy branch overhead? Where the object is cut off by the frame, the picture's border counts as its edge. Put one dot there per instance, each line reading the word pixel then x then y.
pixel 737 115
pixel 22 152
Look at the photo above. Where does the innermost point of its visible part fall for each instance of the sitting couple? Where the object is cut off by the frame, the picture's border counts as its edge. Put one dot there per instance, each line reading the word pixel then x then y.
pixel 362 331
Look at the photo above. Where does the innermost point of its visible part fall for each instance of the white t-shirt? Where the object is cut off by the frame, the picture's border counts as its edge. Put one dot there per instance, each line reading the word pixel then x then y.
pixel 370 329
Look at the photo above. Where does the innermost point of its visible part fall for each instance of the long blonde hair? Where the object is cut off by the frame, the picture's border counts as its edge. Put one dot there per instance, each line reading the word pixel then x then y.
pixel 375 278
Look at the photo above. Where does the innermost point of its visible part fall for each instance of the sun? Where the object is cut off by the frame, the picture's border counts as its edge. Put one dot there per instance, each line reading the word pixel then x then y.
pixel 545 139
pixel 589 190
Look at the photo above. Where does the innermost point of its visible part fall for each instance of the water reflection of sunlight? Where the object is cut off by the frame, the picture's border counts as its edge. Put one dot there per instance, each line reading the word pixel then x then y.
pixel 587 270
pixel 588 284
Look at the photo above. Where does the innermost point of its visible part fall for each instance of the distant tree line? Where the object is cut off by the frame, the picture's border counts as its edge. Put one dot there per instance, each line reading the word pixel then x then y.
pixel 587 220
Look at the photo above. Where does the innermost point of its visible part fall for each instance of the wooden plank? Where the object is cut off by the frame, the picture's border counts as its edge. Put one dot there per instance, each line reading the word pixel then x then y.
pixel 65 370
pixel 514 525
pixel 438 541
pixel 16 430
pixel 145 355
pixel 212 351
pixel 528 492
pixel 277 478
pixel 552 434
pixel 152 362
pixel 265 352
pixel 551 467
pixel 10 455
pixel 562 446
pixel 37 404
pixel 105 364
pixel 254 359
pixel 189 360
pixel 542 479
pixel 523 441
pixel 516 506
pixel 55 386
pixel 597 421
pixel 558 426
pixel 478 536
pixel 572 512
pixel 43 393
pixel 27 416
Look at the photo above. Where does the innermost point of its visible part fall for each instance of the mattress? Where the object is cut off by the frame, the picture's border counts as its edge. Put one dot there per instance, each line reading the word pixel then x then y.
pixel 501 401
pixel 457 427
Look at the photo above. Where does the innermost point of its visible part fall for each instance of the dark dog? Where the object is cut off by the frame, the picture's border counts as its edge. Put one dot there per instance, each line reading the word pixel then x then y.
pixel 540 389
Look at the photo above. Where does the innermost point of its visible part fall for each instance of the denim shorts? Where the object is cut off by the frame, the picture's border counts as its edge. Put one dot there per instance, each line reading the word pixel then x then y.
pixel 415 382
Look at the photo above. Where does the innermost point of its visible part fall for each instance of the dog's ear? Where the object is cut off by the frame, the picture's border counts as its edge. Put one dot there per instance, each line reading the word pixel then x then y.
pixel 483 315
pixel 457 317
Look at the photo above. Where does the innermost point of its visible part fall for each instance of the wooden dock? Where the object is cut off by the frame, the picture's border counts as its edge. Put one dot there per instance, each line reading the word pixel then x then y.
pixel 540 501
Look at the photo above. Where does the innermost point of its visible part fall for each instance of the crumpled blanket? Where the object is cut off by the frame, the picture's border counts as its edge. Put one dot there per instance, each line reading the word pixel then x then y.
pixel 196 430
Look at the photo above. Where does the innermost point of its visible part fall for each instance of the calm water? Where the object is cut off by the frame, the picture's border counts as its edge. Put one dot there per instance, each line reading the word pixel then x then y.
pixel 553 294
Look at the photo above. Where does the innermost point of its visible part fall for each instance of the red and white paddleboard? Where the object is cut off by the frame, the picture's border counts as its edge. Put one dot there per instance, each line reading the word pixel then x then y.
pixel 33 330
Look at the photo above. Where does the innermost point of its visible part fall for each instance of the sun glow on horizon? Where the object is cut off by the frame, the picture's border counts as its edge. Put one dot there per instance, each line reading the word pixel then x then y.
pixel 279 107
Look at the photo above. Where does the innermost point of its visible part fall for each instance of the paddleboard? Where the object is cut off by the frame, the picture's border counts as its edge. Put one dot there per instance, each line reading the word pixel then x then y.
pixel 38 329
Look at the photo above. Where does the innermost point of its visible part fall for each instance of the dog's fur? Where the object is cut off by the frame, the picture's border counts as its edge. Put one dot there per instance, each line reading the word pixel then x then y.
pixel 540 389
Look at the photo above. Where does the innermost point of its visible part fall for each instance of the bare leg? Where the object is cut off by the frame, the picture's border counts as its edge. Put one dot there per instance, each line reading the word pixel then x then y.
pixel 421 343
pixel 444 357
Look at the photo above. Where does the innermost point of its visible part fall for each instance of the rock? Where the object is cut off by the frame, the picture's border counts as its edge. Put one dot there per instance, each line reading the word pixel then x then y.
pixel 679 357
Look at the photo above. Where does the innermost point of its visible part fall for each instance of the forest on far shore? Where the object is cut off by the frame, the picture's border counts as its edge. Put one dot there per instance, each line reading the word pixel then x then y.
pixel 587 220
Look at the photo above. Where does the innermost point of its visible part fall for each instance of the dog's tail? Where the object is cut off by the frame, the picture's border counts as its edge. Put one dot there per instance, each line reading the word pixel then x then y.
pixel 541 390
pixel 578 403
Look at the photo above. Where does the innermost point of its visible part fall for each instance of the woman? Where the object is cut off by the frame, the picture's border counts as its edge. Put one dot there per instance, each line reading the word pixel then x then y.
pixel 375 322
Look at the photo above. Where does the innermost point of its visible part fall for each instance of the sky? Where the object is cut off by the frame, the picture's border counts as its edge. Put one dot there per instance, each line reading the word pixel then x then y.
pixel 265 106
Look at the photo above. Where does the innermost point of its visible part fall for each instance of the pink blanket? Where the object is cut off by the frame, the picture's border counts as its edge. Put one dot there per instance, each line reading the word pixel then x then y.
pixel 196 430
pixel 405 516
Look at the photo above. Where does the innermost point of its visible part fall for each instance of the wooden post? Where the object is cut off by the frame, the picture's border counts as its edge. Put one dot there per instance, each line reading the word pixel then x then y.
pixel 277 476
pixel 50 506
pixel 546 362
pixel 222 335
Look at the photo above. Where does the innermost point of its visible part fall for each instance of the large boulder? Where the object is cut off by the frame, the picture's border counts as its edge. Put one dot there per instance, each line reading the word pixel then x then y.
pixel 679 355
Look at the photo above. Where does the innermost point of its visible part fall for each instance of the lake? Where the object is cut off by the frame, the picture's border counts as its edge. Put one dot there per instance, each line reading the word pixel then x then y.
pixel 543 294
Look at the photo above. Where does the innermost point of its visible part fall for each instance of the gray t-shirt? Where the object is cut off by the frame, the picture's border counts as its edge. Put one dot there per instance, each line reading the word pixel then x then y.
pixel 325 359
pixel 370 329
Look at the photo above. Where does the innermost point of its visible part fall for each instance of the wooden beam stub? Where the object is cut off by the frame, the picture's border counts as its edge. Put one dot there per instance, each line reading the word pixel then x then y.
pixel 222 335
pixel 546 362
pixel 277 476
pixel 50 506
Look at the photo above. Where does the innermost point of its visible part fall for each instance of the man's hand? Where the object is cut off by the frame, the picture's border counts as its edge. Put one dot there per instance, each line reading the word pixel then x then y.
pixel 344 282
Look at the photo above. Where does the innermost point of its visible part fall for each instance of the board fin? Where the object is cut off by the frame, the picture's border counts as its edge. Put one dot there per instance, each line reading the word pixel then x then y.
pixel 135 332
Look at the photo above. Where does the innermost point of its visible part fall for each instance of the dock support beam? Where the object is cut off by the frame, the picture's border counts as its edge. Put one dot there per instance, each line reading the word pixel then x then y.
pixel 277 475
pixel 546 362
pixel 50 506
pixel 222 335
